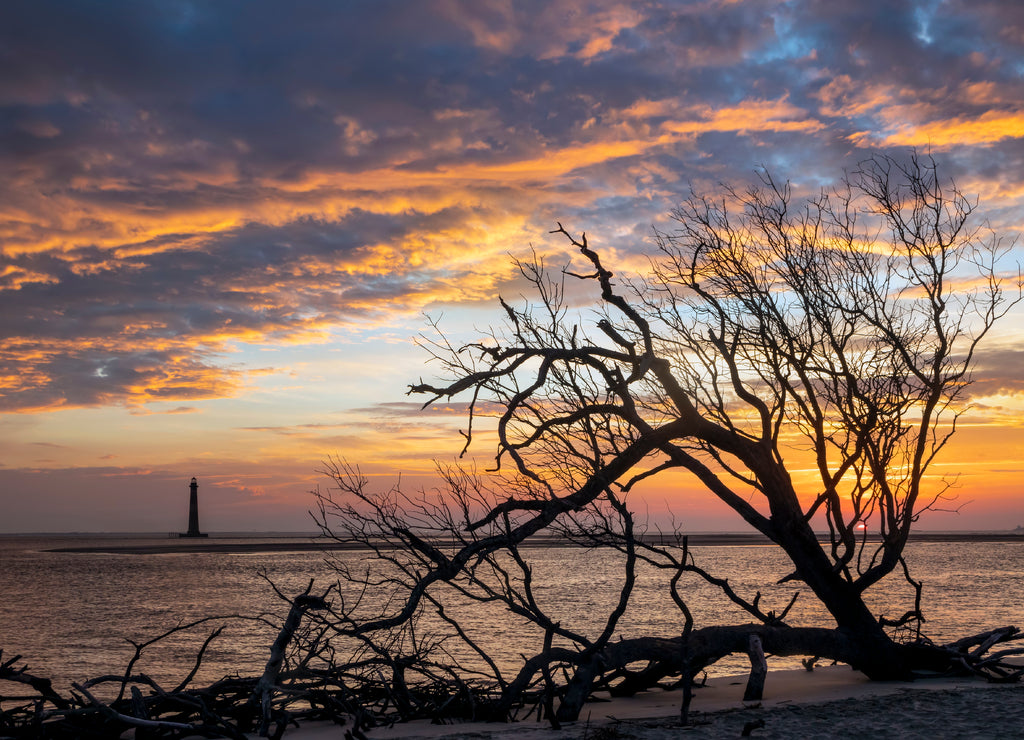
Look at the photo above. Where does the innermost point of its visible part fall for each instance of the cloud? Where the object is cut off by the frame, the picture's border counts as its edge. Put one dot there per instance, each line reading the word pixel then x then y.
pixel 180 181
pixel 988 128
pixel 166 412
pixel 997 371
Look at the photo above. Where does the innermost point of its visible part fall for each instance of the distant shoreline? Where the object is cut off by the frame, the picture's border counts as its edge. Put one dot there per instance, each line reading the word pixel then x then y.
pixel 301 544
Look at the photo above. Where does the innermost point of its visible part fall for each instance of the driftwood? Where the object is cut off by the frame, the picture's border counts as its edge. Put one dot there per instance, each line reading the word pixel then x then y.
pixel 304 680
pixel 758 671
pixel 263 693
pixel 223 709
pixel 361 696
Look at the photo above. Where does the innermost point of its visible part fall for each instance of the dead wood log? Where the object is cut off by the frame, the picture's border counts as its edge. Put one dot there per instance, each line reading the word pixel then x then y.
pixel 130 721
pixel 663 657
pixel 262 694
pixel 758 671
pixel 21 675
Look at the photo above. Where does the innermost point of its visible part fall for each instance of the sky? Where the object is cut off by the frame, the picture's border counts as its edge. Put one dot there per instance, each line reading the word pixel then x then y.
pixel 223 225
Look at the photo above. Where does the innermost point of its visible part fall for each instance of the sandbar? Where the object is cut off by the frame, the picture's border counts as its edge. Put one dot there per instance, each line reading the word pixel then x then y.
pixel 240 545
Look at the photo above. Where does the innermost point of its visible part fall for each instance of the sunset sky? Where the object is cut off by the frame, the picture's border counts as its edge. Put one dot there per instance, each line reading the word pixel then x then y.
pixel 223 224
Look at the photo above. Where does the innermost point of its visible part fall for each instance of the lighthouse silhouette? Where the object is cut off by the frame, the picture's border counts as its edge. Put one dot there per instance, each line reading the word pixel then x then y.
pixel 193 511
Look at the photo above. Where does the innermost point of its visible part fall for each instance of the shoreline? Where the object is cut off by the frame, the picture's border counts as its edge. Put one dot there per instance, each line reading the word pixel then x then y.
pixel 230 545
pixel 831 701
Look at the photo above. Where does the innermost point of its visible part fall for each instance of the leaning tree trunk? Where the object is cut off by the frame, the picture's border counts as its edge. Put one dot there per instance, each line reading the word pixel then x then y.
pixel 876 655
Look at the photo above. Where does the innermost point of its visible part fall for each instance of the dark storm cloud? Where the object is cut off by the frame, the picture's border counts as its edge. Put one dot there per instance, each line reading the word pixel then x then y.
pixel 179 176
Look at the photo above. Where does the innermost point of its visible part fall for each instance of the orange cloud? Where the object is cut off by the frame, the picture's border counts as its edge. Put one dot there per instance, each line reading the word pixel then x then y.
pixel 14 278
pixel 920 117
pixel 844 97
pixel 987 128
pixel 747 117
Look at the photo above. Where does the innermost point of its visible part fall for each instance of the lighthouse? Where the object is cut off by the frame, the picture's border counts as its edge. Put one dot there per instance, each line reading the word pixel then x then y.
pixel 193 510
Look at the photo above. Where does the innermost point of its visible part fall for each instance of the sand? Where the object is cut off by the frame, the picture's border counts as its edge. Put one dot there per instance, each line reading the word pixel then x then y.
pixel 831 702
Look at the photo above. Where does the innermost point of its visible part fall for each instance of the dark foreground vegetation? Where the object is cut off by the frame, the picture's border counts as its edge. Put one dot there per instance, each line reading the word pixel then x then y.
pixel 770 338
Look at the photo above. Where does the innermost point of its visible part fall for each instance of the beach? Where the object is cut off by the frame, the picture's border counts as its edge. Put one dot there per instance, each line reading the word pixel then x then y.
pixel 830 702
pixel 66 588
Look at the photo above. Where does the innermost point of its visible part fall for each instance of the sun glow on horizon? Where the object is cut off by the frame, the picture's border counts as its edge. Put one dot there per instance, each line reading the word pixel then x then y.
pixel 218 248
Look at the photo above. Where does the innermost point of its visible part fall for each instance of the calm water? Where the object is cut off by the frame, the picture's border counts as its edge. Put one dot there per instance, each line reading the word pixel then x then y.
pixel 70 615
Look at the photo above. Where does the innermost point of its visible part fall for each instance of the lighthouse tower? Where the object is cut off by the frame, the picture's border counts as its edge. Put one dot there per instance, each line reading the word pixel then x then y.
pixel 193 511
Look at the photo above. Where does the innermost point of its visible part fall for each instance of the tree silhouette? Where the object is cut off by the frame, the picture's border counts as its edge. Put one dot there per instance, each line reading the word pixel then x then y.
pixel 840 330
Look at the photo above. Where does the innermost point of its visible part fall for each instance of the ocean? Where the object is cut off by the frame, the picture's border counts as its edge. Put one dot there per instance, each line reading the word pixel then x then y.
pixel 73 616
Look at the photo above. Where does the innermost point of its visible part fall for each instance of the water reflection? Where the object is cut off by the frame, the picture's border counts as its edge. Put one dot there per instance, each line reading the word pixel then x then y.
pixel 71 615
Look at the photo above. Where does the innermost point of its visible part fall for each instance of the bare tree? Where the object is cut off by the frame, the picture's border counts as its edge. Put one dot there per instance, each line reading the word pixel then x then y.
pixel 841 330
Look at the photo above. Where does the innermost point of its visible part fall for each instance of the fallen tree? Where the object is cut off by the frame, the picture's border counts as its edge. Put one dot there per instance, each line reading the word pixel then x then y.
pixel 131 700
pixel 776 337
pixel 766 338
pixel 305 679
